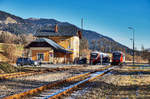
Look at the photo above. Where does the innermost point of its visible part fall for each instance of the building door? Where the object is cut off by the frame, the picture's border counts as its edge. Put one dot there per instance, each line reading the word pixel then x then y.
pixel 40 56
pixel 51 57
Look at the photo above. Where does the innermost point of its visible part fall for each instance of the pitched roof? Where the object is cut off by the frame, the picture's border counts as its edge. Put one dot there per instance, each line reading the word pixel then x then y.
pixel 44 42
pixel 62 31
pixel 43 33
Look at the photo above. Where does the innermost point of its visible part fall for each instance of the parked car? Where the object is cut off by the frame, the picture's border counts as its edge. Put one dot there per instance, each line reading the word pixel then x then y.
pixel 82 61
pixel 26 61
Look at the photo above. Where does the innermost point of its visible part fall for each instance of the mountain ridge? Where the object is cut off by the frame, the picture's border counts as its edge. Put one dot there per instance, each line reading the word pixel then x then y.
pixel 31 25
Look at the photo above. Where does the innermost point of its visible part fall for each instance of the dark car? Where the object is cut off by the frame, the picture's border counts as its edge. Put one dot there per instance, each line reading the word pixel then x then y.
pixel 82 61
pixel 26 61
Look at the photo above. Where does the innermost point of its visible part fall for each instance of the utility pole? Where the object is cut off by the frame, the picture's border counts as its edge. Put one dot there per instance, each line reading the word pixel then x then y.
pixel 81 25
pixel 133 42
pixel 81 32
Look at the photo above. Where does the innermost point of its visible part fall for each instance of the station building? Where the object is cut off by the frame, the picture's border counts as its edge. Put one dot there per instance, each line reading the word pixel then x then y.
pixel 52 46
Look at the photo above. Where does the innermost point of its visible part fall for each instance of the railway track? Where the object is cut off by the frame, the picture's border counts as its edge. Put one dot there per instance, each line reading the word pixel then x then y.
pixel 19 74
pixel 50 90
pixel 23 74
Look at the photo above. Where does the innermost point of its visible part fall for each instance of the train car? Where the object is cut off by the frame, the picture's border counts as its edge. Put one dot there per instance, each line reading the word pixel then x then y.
pixel 98 57
pixel 118 58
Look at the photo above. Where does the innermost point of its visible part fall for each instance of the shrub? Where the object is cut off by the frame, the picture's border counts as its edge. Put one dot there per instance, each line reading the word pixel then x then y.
pixel 9 51
pixel 146 55
pixel 7 37
pixel 7 68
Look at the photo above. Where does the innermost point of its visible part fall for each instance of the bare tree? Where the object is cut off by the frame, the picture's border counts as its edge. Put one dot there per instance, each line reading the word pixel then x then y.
pixel 145 54
pixel 10 51
pixel 93 42
pixel 6 37
pixel 99 45
pixel 83 46
pixel 25 38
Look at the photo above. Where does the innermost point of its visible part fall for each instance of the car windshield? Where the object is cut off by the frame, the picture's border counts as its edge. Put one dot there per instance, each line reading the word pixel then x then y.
pixel 116 55
pixel 94 55
pixel 20 59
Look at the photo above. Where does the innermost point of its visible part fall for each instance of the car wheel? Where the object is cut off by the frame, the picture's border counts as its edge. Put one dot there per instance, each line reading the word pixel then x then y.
pixel 32 64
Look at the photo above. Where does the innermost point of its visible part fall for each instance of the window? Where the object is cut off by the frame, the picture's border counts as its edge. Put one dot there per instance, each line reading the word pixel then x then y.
pixel 69 44
pixel 40 56
pixel 94 55
pixel 116 55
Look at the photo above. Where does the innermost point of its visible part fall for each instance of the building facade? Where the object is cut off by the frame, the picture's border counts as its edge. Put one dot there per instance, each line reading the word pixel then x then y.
pixel 53 46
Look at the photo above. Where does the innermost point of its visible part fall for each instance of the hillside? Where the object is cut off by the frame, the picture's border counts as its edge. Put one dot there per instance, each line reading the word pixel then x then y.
pixel 148 49
pixel 17 25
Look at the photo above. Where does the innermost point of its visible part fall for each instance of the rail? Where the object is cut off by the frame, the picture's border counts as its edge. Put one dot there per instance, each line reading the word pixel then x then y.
pixel 50 85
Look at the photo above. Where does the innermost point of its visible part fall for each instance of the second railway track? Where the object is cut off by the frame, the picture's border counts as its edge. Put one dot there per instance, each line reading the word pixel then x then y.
pixel 29 73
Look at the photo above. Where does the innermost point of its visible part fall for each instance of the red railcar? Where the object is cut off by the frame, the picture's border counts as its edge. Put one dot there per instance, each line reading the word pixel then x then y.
pixel 99 57
pixel 118 58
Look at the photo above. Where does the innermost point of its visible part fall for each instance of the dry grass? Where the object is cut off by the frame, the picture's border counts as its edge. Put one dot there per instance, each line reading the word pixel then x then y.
pixel 19 47
pixel 138 59
pixel 125 85
pixel 18 52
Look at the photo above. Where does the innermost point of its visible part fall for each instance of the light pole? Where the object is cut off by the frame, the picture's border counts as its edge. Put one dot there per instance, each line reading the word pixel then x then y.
pixel 133 41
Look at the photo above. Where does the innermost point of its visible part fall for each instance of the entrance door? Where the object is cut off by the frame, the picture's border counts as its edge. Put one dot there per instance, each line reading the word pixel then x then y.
pixel 40 56
pixel 51 57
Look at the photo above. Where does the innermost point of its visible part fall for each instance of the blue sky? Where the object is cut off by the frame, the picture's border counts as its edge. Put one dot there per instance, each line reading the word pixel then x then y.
pixel 108 17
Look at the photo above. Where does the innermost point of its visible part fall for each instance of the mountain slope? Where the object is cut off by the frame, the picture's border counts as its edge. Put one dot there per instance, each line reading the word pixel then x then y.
pixel 17 25
pixel 148 49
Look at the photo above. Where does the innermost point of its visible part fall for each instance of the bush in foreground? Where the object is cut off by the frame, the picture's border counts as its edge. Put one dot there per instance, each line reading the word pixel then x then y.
pixel 7 68
pixel 9 52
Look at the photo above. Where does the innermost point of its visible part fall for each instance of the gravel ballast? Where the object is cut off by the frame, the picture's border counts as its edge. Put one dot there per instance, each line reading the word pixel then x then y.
pixel 116 85
pixel 17 85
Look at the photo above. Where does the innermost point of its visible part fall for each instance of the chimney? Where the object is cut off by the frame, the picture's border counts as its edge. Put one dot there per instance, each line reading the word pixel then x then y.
pixel 56 28
pixel 79 33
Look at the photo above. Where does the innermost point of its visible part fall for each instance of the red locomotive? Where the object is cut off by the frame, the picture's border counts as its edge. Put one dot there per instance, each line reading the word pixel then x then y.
pixel 118 58
pixel 99 57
